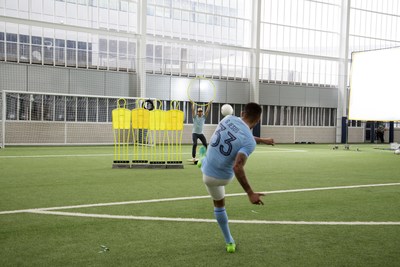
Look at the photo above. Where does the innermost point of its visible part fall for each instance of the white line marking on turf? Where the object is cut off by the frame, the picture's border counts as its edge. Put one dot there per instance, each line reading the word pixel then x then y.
pixel 274 150
pixel 50 212
pixel 328 188
pixel 277 149
pixel 68 156
pixel 194 197
pixel 148 218
pixel 56 156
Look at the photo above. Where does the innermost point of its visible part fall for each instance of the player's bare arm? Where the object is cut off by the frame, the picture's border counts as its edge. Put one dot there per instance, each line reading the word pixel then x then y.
pixel 267 141
pixel 193 113
pixel 238 168
pixel 208 108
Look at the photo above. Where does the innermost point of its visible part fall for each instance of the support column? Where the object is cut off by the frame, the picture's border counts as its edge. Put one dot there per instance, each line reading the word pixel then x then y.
pixel 255 54
pixel 141 56
pixel 391 132
pixel 343 70
pixel 3 119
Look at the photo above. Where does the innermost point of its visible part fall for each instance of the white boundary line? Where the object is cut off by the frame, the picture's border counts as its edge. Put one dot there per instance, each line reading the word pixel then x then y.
pixel 56 156
pixel 148 218
pixel 258 151
pixel 49 211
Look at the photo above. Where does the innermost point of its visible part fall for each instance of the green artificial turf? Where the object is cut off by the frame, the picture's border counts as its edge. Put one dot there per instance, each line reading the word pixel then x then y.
pixel 43 177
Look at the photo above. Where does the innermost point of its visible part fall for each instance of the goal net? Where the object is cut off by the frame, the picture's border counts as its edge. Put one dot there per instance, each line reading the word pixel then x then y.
pixel 55 119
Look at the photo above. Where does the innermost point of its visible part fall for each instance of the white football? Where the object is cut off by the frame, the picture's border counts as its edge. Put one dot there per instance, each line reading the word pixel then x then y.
pixel 397 151
pixel 226 110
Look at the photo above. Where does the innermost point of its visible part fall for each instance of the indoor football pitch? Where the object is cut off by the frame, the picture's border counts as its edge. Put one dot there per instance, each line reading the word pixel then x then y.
pixel 67 206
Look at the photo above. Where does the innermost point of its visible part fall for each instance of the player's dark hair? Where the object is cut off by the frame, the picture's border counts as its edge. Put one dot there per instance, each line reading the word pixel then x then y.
pixel 252 111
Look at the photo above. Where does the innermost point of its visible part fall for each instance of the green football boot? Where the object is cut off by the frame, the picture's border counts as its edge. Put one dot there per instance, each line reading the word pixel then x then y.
pixel 231 247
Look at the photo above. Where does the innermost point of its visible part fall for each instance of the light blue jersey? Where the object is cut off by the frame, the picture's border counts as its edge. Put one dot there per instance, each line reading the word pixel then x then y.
pixel 198 123
pixel 232 136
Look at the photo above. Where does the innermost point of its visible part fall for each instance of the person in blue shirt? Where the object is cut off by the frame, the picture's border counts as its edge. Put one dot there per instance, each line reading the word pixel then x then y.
pixel 198 122
pixel 230 146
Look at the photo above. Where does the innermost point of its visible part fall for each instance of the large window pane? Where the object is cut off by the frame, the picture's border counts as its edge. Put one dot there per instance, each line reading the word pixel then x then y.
pixel 71 108
pixel 59 108
pixel 48 108
pixel 92 109
pixel 102 110
pixel 36 107
pixel 81 109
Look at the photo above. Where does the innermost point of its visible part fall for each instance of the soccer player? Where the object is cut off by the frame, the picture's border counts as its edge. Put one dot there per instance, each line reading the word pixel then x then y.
pixel 230 146
pixel 198 123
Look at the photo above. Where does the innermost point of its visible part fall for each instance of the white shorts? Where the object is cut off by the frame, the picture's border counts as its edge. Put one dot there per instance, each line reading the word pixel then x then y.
pixel 216 187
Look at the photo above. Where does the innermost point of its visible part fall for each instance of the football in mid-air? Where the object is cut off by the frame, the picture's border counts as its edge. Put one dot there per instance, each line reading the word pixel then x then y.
pixel 226 110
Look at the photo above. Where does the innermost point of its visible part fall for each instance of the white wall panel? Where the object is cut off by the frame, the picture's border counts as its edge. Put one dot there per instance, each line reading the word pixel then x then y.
pixel 312 97
pixel 238 92
pixel 292 95
pixel 13 77
pixel 48 79
pixel 207 90
pixel 158 86
pixel 221 92
pixel 116 84
pixel 86 82
pixel 328 97
pixel 269 94
pixel 179 89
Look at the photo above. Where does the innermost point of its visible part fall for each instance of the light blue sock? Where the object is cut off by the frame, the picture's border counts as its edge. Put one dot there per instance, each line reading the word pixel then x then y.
pixel 222 219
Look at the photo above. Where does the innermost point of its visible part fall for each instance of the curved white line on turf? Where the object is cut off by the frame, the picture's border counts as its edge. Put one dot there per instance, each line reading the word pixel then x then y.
pixel 194 197
pixel 42 210
pixel 148 218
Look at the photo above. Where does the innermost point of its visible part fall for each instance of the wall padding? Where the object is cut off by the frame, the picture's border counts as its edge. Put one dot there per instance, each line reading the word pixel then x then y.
pixel 13 77
pixel 48 79
pixel 87 82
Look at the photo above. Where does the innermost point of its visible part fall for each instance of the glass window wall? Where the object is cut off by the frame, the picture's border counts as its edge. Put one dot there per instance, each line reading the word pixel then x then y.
pixel 299 41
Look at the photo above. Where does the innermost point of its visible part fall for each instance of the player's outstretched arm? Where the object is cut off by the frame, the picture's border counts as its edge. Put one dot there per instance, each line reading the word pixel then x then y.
pixel 238 168
pixel 264 140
